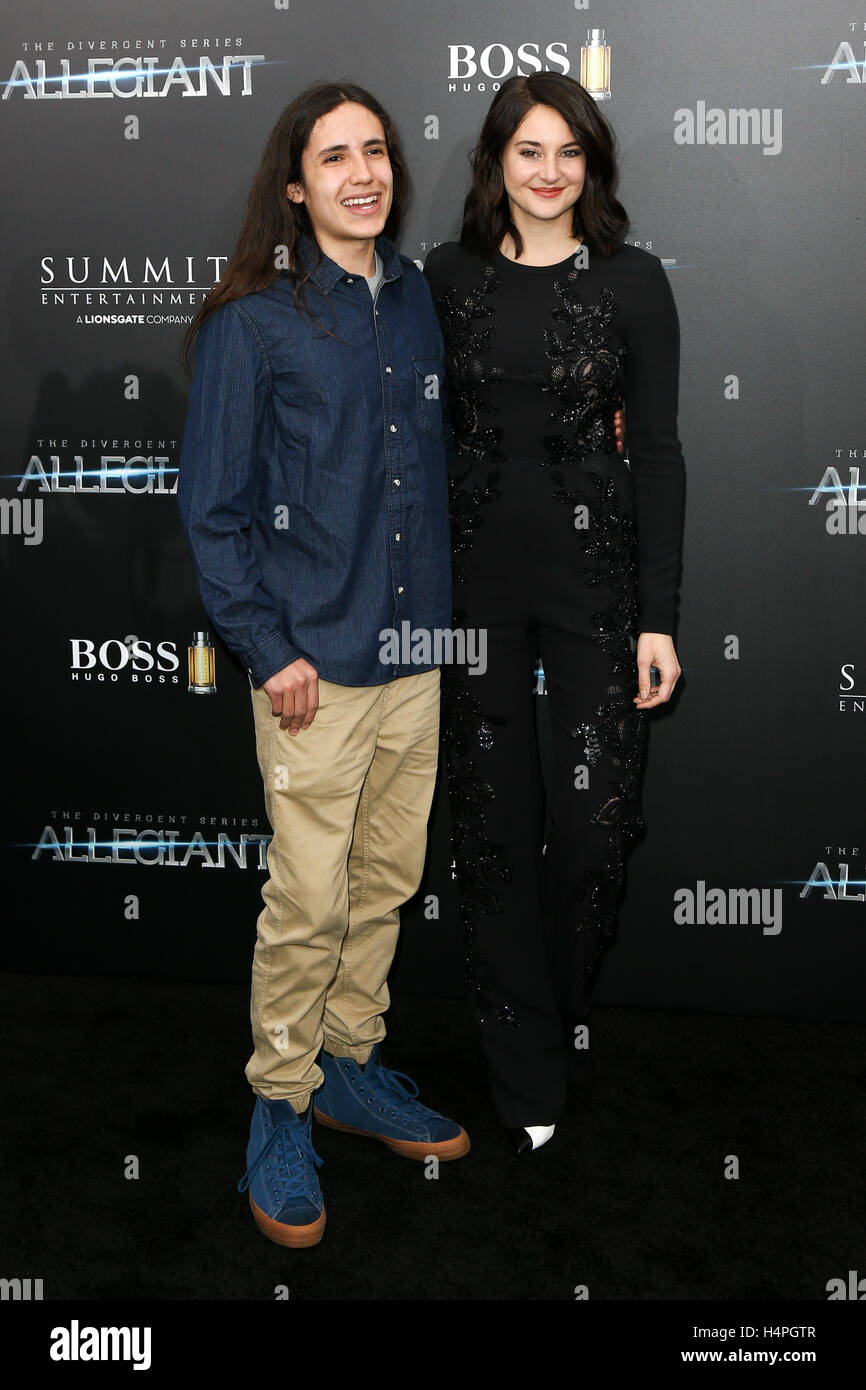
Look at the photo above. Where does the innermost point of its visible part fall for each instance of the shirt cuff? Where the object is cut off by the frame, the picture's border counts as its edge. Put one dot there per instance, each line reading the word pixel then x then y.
pixel 270 657
pixel 655 620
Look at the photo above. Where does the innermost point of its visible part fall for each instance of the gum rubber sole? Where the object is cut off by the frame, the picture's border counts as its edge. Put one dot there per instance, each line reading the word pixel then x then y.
pixel 297 1237
pixel 444 1149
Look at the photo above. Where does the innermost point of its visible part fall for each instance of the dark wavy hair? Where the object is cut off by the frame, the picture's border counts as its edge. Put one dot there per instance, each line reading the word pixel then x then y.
pixel 273 220
pixel 598 216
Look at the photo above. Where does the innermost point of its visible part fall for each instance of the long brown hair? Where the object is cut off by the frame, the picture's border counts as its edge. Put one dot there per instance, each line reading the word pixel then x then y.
pixel 597 216
pixel 273 220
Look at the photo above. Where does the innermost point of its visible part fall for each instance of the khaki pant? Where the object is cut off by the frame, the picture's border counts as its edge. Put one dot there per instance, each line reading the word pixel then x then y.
pixel 348 800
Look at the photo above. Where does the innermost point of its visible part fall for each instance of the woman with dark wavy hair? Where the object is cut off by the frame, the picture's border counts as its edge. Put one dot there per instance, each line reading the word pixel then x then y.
pixel 567 554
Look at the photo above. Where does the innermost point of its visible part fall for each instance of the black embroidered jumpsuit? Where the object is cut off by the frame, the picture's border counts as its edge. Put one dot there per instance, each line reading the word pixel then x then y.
pixel 562 552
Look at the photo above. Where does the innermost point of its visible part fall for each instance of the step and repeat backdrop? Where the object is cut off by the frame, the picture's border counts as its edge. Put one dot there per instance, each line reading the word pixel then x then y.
pixel 134 827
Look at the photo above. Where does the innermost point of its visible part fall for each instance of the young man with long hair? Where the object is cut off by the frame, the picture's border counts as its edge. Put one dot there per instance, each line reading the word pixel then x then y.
pixel 313 496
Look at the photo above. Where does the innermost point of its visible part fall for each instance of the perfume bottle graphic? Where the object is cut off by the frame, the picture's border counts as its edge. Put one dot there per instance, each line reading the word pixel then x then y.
pixel 595 65
pixel 201 665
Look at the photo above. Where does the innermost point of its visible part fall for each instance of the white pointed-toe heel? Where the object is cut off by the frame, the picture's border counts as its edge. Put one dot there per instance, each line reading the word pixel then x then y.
pixel 531 1137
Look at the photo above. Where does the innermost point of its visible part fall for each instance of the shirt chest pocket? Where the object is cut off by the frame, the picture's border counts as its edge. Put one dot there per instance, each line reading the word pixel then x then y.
pixel 428 408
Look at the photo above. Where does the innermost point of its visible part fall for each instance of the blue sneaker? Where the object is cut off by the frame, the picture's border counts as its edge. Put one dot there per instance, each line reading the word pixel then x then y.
pixel 373 1101
pixel 285 1196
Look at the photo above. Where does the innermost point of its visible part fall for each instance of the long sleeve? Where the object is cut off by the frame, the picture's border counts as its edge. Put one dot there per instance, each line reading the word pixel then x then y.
pixel 651 394
pixel 216 488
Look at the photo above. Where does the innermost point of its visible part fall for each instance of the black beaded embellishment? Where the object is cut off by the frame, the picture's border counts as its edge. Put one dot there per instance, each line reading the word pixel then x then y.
pixel 598 889
pixel 464 340
pixel 585 376
pixel 619 727
pixel 478 862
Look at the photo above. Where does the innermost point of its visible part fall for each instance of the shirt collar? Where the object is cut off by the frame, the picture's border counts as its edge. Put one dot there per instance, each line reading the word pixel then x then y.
pixel 327 272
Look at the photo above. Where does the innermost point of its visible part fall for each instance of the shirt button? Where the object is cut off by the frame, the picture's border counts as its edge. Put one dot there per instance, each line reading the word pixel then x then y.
pixel 396 482
pixel 388 370
pixel 400 589
pixel 393 429
pixel 397 537
pixel 350 282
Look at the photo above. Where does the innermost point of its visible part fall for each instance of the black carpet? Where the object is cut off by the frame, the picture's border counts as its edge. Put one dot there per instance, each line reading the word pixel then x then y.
pixel 630 1198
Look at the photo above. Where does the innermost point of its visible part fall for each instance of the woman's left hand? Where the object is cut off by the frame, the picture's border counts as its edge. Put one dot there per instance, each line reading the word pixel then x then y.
pixel 656 649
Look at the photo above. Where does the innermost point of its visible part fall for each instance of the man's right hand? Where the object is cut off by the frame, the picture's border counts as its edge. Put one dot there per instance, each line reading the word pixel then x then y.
pixel 294 695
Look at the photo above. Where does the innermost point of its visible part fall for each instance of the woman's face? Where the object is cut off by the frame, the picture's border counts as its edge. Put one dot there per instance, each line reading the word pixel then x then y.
pixel 543 166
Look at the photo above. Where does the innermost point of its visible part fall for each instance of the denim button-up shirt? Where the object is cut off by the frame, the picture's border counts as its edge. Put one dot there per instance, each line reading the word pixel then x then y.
pixel 312 484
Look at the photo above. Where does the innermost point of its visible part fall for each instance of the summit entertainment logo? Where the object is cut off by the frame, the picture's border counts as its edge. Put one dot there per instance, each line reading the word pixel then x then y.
pixel 851 700
pixel 121 282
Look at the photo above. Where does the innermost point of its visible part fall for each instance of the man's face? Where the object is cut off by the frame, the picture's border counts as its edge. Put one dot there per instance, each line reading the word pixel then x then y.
pixel 347 178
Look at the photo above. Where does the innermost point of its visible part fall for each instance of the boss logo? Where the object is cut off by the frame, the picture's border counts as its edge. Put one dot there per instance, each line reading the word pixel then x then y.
pixel 115 654
pixel 497 60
